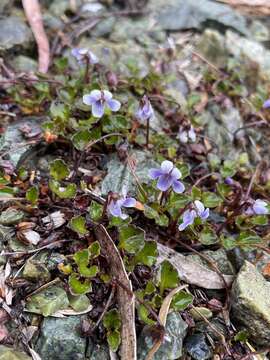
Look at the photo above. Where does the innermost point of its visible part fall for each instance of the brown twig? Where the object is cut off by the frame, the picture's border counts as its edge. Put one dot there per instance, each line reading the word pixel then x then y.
pixel 106 307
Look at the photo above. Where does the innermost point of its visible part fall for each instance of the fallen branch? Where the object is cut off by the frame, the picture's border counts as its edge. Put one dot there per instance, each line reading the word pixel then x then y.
pixel 126 303
pixel 34 17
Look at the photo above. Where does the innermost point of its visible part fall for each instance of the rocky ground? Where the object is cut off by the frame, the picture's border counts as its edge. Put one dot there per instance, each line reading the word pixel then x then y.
pixel 204 66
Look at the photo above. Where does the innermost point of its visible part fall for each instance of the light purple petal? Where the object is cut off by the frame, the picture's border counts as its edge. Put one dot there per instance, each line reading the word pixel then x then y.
pixel 98 109
pixel 164 182
pixel 91 98
pixel 204 215
pixel 178 187
pixel 113 104
pixel 155 173
pixel 249 211
pixel 176 174
pixel 192 134
pixel 260 207
pixel 129 202
pixel 266 104
pixel 123 216
pixel 92 57
pixel 199 206
pixel 166 166
pixel 107 95
pixel 188 219
pixel 183 137
pixel 115 209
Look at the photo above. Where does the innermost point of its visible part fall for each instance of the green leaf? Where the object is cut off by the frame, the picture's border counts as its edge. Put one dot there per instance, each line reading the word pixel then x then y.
pixel 176 203
pixel 131 238
pixel 143 314
pixel 32 195
pixel 95 211
pixel 112 320
pixel 77 223
pixel 78 287
pixel 94 250
pixel 81 139
pixel 67 192
pixel 59 110
pixel 208 236
pixel 196 193
pixel 261 220
pixel 247 239
pixel 229 168
pixel 224 190
pixel 150 288
pixel 242 335
pixel 59 169
pixel 181 301
pixel 211 200
pixel 147 255
pixel 228 243
pixel 169 278
pixel 185 171
pixel 114 340
pixel 160 219
pixel 82 259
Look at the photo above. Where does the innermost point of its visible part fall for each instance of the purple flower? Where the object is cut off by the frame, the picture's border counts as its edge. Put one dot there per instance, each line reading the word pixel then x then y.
pixel 167 176
pixel 259 207
pixel 229 181
pixel 82 54
pixel 266 104
pixel 115 206
pixel 187 135
pixel 197 210
pixel 98 100
pixel 145 111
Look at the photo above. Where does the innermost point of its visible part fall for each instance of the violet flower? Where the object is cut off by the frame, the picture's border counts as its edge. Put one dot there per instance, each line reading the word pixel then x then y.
pixel 145 111
pixel 167 176
pixel 266 104
pixel 187 135
pixel 99 100
pixel 197 210
pixel 259 207
pixel 82 54
pixel 229 181
pixel 115 206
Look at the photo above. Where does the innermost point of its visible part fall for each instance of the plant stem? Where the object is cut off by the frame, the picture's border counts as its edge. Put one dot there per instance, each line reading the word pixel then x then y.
pixel 147 132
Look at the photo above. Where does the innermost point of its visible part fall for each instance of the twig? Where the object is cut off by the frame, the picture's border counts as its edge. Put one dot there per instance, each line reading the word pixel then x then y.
pixel 34 17
pixel 101 139
pixel 250 355
pixel 251 182
pixel 108 303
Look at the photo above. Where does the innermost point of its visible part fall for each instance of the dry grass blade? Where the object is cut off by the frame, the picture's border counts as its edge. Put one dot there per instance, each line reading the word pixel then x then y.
pixel 126 302
pixel 34 17
pixel 163 313
pixel 192 272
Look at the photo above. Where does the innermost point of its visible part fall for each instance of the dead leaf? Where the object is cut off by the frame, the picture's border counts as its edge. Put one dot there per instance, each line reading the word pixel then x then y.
pixel 71 312
pixel 253 7
pixel 126 302
pixel 192 272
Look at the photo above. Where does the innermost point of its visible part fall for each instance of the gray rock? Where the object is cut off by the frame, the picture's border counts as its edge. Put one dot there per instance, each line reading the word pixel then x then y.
pixel 104 28
pixel 7 353
pixel 14 137
pixel 219 257
pixel 4 6
pixel 251 303
pixel 23 63
pixel 119 173
pixel 14 32
pixel 186 14
pixel 176 330
pixel 246 49
pixel 36 270
pixel 60 339
pixel 99 352
pixel 197 347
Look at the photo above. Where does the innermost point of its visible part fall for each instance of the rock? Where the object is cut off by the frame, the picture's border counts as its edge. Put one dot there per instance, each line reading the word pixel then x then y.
pixel 51 21
pixel 7 353
pixel 36 270
pixel 48 301
pixel 23 63
pixel 197 347
pixel 219 257
pixel 193 14
pixel 217 323
pixel 11 216
pixel 119 174
pixel 59 7
pixel 251 303
pixel 99 352
pixel 13 136
pixel 4 5
pixel 104 28
pixel 212 46
pixel 259 31
pixel 176 330
pixel 60 339
pixel 14 32
pixel 246 49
